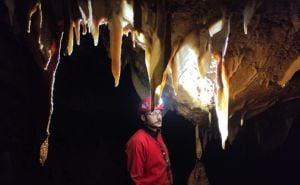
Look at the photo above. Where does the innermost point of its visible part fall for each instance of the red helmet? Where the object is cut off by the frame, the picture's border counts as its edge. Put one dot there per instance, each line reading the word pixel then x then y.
pixel 145 105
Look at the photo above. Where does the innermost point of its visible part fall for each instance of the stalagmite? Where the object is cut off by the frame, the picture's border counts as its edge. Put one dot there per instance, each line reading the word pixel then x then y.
pixel 198 175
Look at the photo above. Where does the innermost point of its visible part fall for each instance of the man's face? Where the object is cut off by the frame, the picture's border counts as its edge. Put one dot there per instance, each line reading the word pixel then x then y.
pixel 153 119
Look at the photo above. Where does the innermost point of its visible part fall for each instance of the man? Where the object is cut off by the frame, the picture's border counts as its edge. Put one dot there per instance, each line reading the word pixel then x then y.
pixel 148 158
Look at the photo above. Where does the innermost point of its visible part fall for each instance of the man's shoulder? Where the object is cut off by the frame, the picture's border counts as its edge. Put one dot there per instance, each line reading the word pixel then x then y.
pixel 138 136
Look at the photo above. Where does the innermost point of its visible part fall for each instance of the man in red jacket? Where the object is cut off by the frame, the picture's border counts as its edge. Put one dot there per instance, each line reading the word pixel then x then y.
pixel 148 158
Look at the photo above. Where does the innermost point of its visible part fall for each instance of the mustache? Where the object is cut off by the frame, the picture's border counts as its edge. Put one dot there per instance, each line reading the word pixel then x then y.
pixel 158 122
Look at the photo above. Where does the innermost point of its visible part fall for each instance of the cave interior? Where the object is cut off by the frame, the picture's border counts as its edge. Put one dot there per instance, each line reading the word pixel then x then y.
pixel 93 117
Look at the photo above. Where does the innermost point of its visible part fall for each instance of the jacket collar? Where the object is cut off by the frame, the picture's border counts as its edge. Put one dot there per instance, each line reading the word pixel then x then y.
pixel 152 133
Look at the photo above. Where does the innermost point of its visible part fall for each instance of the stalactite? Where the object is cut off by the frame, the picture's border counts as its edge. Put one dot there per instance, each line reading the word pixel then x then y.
pixel 45 145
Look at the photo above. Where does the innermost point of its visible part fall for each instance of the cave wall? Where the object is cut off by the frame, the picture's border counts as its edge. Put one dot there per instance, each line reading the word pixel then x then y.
pixel 86 148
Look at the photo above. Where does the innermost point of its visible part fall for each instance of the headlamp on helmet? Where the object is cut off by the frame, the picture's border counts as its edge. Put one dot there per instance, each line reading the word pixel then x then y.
pixel 145 105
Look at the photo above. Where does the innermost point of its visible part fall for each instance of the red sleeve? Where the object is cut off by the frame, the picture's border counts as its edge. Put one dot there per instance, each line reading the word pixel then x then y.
pixel 136 161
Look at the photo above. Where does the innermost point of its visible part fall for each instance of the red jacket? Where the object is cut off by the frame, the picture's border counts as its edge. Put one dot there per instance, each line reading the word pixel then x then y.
pixel 147 164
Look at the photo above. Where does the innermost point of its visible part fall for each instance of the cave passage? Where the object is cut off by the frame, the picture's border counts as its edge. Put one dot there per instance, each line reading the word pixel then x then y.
pixel 92 121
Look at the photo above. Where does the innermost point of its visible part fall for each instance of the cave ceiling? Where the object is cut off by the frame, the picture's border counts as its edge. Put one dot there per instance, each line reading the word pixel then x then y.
pixel 230 57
